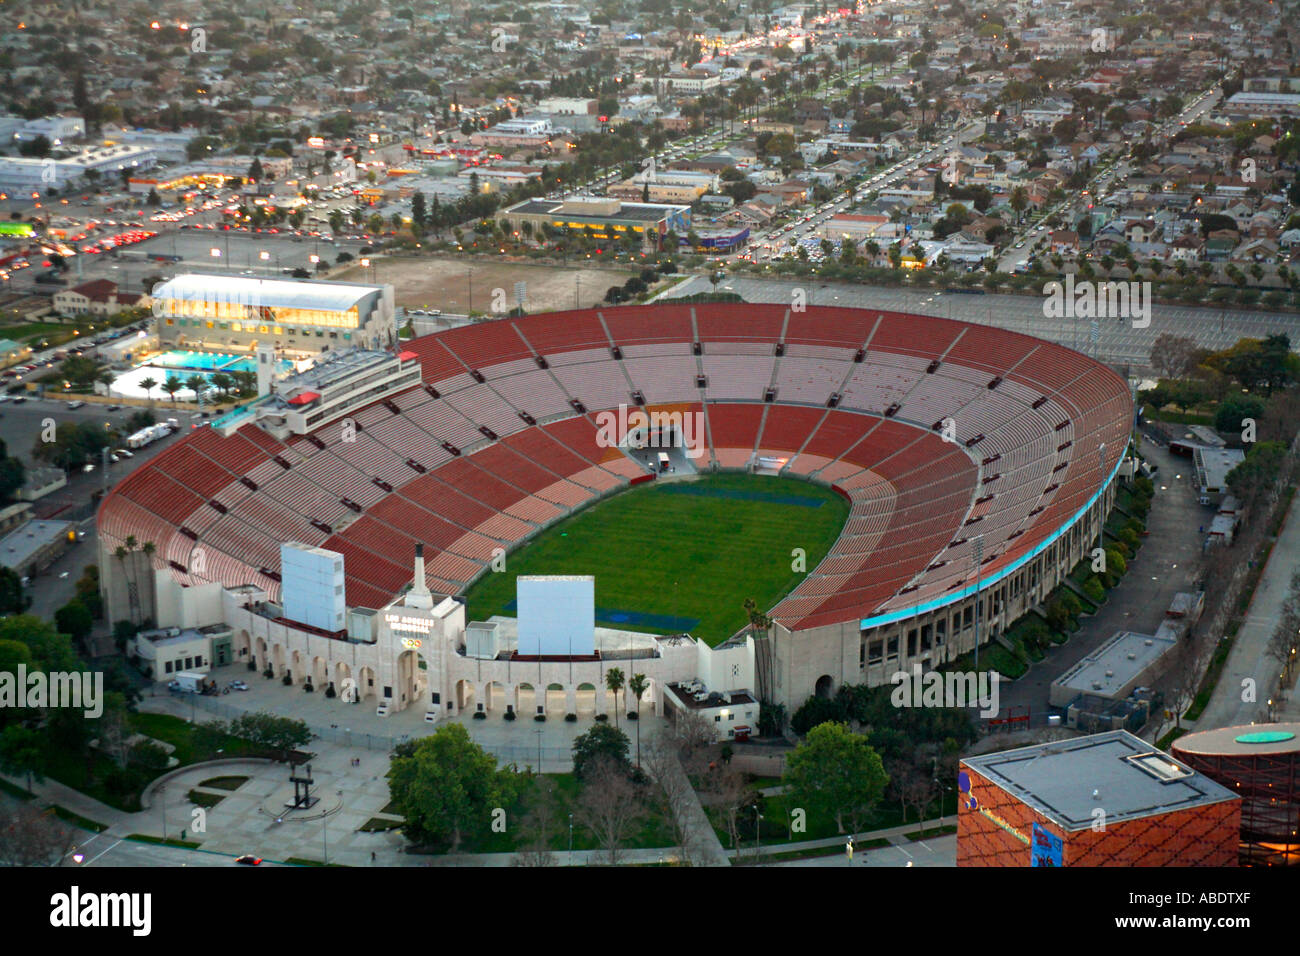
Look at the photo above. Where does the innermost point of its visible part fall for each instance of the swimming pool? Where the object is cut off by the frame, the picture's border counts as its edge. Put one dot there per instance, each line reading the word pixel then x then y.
pixel 191 361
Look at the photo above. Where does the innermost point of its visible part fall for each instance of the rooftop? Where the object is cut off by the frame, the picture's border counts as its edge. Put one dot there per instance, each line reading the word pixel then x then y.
pixel 1248 740
pixel 1066 780
pixel 1109 670
pixel 273 293
pixel 22 544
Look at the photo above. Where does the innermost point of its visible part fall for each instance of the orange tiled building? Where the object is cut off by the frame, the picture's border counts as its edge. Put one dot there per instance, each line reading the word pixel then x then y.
pixel 1104 800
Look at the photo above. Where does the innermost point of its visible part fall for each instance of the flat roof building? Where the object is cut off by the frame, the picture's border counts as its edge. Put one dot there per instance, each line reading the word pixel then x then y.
pixel 1115 669
pixel 1107 799
pixel 1212 467
pixel 608 219
pixel 303 316
pixel 35 545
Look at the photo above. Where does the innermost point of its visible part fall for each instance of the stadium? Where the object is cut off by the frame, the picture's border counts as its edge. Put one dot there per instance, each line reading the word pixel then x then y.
pixel 976 465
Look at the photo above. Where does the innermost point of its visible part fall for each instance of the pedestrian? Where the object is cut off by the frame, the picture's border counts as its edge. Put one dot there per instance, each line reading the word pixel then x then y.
pixel 372 856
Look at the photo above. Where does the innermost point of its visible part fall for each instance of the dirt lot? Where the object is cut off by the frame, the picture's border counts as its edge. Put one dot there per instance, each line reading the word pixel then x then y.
pixel 446 284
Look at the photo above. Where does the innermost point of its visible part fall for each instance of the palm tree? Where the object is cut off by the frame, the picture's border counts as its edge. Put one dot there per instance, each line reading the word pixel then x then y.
pixel 195 383
pixel 148 384
pixel 106 378
pixel 638 686
pixel 171 387
pixel 614 683
pixel 222 383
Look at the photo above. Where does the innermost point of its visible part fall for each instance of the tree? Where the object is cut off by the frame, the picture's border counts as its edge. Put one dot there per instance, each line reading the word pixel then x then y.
pixel 602 741
pixel 75 620
pixel 611 806
pixel 148 383
pixel 446 786
pixel 837 773
pixel 171 386
pixel 22 752
pixel 280 734
pixel 30 836
pixel 614 683
pixel 638 686
pixel 539 825
pixel 12 599
pixel 1234 409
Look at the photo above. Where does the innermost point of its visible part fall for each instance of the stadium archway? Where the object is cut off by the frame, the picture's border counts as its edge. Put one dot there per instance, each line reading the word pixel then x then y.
pixel 342 673
pixel 584 700
pixel 366 683
pixel 494 696
pixel 407 687
pixel 466 696
pixel 526 699
pixel 825 686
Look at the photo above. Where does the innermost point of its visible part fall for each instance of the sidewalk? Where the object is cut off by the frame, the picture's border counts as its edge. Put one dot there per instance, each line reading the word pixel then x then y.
pixel 895 835
pixel 1248 659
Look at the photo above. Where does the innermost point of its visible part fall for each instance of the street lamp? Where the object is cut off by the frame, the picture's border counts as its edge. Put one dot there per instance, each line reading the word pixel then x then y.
pixel 570 839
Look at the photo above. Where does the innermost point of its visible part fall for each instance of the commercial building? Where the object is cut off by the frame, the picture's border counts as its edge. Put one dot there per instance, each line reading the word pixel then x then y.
pixel 23 174
pixel 1115 669
pixel 1261 764
pixel 1212 467
pixel 516 132
pixel 600 219
pixel 1108 799
pixel 302 316
pixel 36 545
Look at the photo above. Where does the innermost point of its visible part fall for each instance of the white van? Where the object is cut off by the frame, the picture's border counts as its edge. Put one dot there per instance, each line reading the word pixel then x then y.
pixel 663 461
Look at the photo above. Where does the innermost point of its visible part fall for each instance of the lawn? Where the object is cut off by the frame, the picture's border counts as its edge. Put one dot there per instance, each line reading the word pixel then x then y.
pixel 691 551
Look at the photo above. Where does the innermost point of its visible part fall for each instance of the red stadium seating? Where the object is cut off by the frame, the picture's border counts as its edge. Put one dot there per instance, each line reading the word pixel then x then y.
pixel 911 492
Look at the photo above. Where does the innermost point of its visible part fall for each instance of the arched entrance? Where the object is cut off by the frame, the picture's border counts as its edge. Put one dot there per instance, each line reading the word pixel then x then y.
pixel 343 674
pixel 260 652
pixel 825 686
pixel 319 670
pixel 241 647
pixel 556 700
pixel 584 701
pixel 466 696
pixel 366 684
pixel 407 688
pixel 526 700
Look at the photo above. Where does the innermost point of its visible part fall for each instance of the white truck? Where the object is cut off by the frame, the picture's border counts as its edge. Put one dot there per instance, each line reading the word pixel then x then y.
pixel 192 682
pixel 149 435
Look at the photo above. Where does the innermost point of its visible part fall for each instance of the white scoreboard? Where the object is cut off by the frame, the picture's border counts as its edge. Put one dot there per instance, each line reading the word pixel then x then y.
pixel 557 614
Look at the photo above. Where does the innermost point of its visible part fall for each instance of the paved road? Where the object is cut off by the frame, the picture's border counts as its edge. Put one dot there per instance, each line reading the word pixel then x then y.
pixel 1248 659
pixel 940 851
pixel 1166 564
pixel 1119 343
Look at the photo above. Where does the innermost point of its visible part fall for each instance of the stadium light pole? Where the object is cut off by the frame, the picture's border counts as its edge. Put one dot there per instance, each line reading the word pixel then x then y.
pixel 978 552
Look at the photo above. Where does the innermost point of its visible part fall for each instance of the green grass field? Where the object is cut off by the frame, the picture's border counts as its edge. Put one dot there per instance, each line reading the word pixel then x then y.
pixel 693 550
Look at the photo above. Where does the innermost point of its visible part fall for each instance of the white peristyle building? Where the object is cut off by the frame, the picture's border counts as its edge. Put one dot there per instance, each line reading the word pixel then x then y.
pixel 420 651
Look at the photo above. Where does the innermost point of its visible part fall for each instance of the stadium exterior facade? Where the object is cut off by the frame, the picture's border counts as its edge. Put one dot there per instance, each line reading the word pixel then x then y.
pixel 979 463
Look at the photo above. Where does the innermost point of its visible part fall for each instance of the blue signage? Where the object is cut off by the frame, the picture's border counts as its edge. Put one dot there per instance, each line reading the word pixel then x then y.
pixel 1047 848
